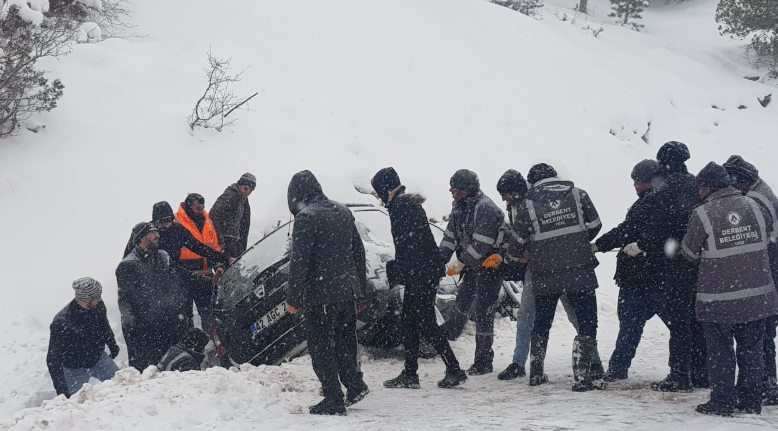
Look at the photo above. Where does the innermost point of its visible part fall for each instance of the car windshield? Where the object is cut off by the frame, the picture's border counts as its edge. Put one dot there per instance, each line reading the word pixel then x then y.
pixel 238 280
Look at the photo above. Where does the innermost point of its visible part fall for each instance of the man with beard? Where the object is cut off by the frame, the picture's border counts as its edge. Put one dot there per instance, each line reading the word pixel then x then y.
pixel 418 267
pixel 152 302
pixel 327 274
pixel 79 335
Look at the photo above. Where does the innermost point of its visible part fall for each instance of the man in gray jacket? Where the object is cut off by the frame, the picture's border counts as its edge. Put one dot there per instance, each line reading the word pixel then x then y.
pixel 556 227
pixel 745 177
pixel 327 275
pixel 729 235
pixel 472 233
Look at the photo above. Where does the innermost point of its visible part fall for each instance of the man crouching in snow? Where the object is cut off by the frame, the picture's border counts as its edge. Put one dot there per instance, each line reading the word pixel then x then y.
pixel 79 334
pixel 188 354
pixel 327 274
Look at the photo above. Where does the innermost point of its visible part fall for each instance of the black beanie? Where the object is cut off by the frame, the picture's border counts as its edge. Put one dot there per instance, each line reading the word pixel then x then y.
pixel 673 153
pixel 713 176
pixel 540 172
pixel 512 182
pixel 161 213
pixel 195 340
pixel 741 171
pixel 141 230
pixel 248 179
pixel 384 182
pixel 465 180
pixel 645 171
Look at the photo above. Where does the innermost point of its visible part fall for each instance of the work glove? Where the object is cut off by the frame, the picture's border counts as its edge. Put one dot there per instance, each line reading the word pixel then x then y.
pixel 492 261
pixel 114 348
pixel 455 267
pixel 632 250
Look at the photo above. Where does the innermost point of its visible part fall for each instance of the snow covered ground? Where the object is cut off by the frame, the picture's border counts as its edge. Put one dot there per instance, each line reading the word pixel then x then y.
pixel 347 87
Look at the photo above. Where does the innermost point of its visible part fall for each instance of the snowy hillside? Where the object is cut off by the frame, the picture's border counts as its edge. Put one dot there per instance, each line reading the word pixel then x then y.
pixel 347 87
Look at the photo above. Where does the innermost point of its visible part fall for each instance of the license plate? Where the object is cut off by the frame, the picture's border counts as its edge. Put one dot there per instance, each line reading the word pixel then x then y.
pixel 270 318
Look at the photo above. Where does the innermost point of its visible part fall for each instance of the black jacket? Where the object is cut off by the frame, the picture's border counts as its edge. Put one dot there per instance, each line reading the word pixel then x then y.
pixel 179 358
pixel 417 259
pixel 643 271
pixel 78 338
pixel 177 237
pixel 328 258
pixel 675 198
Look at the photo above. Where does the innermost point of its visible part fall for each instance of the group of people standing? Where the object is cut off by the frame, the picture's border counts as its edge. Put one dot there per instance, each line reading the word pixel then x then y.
pixel 169 264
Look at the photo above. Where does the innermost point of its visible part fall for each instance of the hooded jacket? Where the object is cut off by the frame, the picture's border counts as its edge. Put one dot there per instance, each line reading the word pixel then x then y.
pixel 729 235
pixel 473 231
pixel 556 227
pixel 764 196
pixel 327 258
pixel 231 216
pixel 180 358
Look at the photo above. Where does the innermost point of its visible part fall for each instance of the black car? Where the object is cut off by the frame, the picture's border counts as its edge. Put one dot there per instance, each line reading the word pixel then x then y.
pixel 252 324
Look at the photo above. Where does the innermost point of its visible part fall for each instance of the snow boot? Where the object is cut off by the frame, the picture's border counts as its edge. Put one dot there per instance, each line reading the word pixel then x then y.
pixel 674 383
pixel 614 375
pixel 770 392
pixel 329 406
pixel 480 368
pixel 537 357
pixel 583 352
pixel 711 409
pixel 749 400
pixel 356 395
pixel 512 372
pixel 403 381
pixel 700 380
pixel 453 379
pixel 596 370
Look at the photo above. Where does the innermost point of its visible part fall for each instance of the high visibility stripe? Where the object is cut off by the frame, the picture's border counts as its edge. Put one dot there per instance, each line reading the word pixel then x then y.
pixel 689 253
pixel 713 252
pixel 739 294
pixel 175 360
pixel 518 239
pixel 703 215
pixel 580 227
pixel 558 232
pixel 533 216
pixel 448 244
pixel 770 207
pixel 473 253
pixel 483 238
pixel 449 234
pixel 593 224
pixel 511 258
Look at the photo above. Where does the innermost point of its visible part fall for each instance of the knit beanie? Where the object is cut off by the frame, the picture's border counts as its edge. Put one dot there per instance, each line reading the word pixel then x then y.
pixel 512 182
pixel 87 289
pixel 465 180
pixel 645 171
pixel 540 172
pixel 248 179
pixel 141 230
pixel 741 171
pixel 713 176
pixel 673 153
pixel 384 182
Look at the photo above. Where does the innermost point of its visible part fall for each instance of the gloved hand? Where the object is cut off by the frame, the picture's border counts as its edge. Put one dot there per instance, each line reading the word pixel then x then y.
pixel 493 261
pixel 455 267
pixel 632 250
pixel 114 348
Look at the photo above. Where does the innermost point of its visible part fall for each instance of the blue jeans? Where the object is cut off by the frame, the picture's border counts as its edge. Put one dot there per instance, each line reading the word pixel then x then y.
pixel 525 321
pixel 103 369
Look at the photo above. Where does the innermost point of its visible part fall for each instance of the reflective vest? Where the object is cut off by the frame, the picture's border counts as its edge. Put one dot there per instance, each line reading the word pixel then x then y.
pixel 207 236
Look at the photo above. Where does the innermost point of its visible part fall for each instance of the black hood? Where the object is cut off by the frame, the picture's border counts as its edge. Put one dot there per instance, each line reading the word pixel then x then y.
pixel 303 189
pixel 384 182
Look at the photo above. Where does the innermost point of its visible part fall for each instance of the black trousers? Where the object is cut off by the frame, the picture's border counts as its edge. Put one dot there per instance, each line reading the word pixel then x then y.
pixel 148 343
pixel 332 343
pixel 722 358
pixel 200 291
pixel 584 304
pixel 769 347
pixel 419 321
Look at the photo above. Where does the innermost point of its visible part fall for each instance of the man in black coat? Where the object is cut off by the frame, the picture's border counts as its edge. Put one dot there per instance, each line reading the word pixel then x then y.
pixel 152 302
pixel 417 265
pixel 640 276
pixel 79 334
pixel 327 275
pixel 677 195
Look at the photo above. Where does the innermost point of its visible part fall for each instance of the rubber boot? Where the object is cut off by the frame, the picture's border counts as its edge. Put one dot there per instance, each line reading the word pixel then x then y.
pixel 583 352
pixel 537 357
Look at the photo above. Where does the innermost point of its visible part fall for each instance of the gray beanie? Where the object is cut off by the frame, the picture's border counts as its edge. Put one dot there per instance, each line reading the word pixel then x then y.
pixel 87 289
pixel 248 179
pixel 645 171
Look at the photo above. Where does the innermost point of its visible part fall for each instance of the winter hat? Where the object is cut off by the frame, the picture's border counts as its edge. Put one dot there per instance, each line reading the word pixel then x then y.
pixel 161 213
pixel 540 172
pixel 87 289
pixel 195 340
pixel 741 171
pixel 302 188
pixel 713 176
pixel 384 182
pixel 465 180
pixel 673 153
pixel 512 182
pixel 141 230
pixel 645 171
pixel 248 179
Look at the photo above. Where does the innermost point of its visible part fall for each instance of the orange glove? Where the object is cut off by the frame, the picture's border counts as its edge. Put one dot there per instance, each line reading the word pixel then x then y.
pixel 492 261
pixel 291 309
